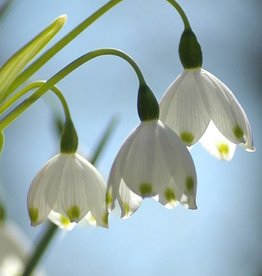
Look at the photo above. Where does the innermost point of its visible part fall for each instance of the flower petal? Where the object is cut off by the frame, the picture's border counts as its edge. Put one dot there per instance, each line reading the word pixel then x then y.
pixel 131 164
pixel 115 175
pixel 226 112
pixel 61 221
pixel 40 199
pixel 71 201
pixel 179 163
pixel 183 107
pixel 143 171
pixel 82 190
pixel 129 201
pixel 217 144
pixel 95 193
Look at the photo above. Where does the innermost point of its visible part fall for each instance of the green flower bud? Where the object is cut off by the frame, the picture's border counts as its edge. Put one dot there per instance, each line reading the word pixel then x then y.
pixel 147 104
pixel 190 50
pixel 69 139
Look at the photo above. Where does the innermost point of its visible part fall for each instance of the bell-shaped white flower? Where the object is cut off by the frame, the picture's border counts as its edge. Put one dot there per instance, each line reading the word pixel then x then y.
pixel 70 186
pixel 152 162
pixel 196 104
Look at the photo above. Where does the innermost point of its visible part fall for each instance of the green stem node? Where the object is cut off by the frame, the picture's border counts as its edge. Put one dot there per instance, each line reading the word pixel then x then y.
pixel 190 52
pixel 69 139
pixel 147 104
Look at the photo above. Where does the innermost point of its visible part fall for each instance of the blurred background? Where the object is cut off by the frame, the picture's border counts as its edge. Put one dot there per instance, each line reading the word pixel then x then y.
pixel 222 237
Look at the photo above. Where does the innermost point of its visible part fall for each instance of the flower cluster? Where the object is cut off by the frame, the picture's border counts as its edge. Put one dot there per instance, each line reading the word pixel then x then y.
pixel 154 160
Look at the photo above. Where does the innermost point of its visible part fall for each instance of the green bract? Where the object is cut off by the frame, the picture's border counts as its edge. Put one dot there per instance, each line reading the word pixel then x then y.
pixel 147 104
pixel 13 67
pixel 69 139
pixel 190 50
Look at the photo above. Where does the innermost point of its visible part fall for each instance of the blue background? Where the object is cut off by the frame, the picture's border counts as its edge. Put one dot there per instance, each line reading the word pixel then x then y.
pixel 224 236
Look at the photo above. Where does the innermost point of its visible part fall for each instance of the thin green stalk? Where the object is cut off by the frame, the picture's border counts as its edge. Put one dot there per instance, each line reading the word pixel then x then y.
pixel 44 242
pixel 10 101
pixel 181 13
pixel 60 44
pixel 102 142
pixel 10 117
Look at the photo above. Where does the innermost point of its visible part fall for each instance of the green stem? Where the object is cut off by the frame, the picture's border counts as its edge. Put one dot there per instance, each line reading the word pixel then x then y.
pixel 102 142
pixel 60 44
pixel 62 99
pixel 40 248
pixel 30 87
pixel 181 13
pixel 10 117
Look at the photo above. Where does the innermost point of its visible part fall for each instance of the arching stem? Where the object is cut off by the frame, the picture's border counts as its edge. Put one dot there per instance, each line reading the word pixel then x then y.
pixel 10 117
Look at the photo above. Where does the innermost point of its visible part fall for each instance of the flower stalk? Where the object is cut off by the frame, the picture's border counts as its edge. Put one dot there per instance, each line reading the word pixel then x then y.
pixel 181 13
pixel 14 114
pixel 50 231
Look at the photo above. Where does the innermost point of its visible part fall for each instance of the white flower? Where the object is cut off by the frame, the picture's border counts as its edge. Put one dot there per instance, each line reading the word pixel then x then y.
pixel 152 162
pixel 197 101
pixel 70 186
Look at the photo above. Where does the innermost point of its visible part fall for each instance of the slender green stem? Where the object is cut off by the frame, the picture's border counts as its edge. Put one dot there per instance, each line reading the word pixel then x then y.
pixel 62 99
pixel 102 142
pixel 40 248
pixel 10 101
pixel 10 117
pixel 2 213
pixel 61 44
pixel 181 13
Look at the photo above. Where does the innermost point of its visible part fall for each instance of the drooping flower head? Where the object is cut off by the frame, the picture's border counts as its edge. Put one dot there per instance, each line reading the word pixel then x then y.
pixel 152 162
pixel 68 187
pixel 198 105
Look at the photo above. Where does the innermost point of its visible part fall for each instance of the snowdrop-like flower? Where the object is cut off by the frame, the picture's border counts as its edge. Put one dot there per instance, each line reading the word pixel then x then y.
pixel 197 100
pixel 70 186
pixel 197 103
pixel 152 162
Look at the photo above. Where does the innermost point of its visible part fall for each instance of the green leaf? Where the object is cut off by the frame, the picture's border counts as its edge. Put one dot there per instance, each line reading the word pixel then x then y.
pixel 22 57
pixel 103 140
pixel 2 140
